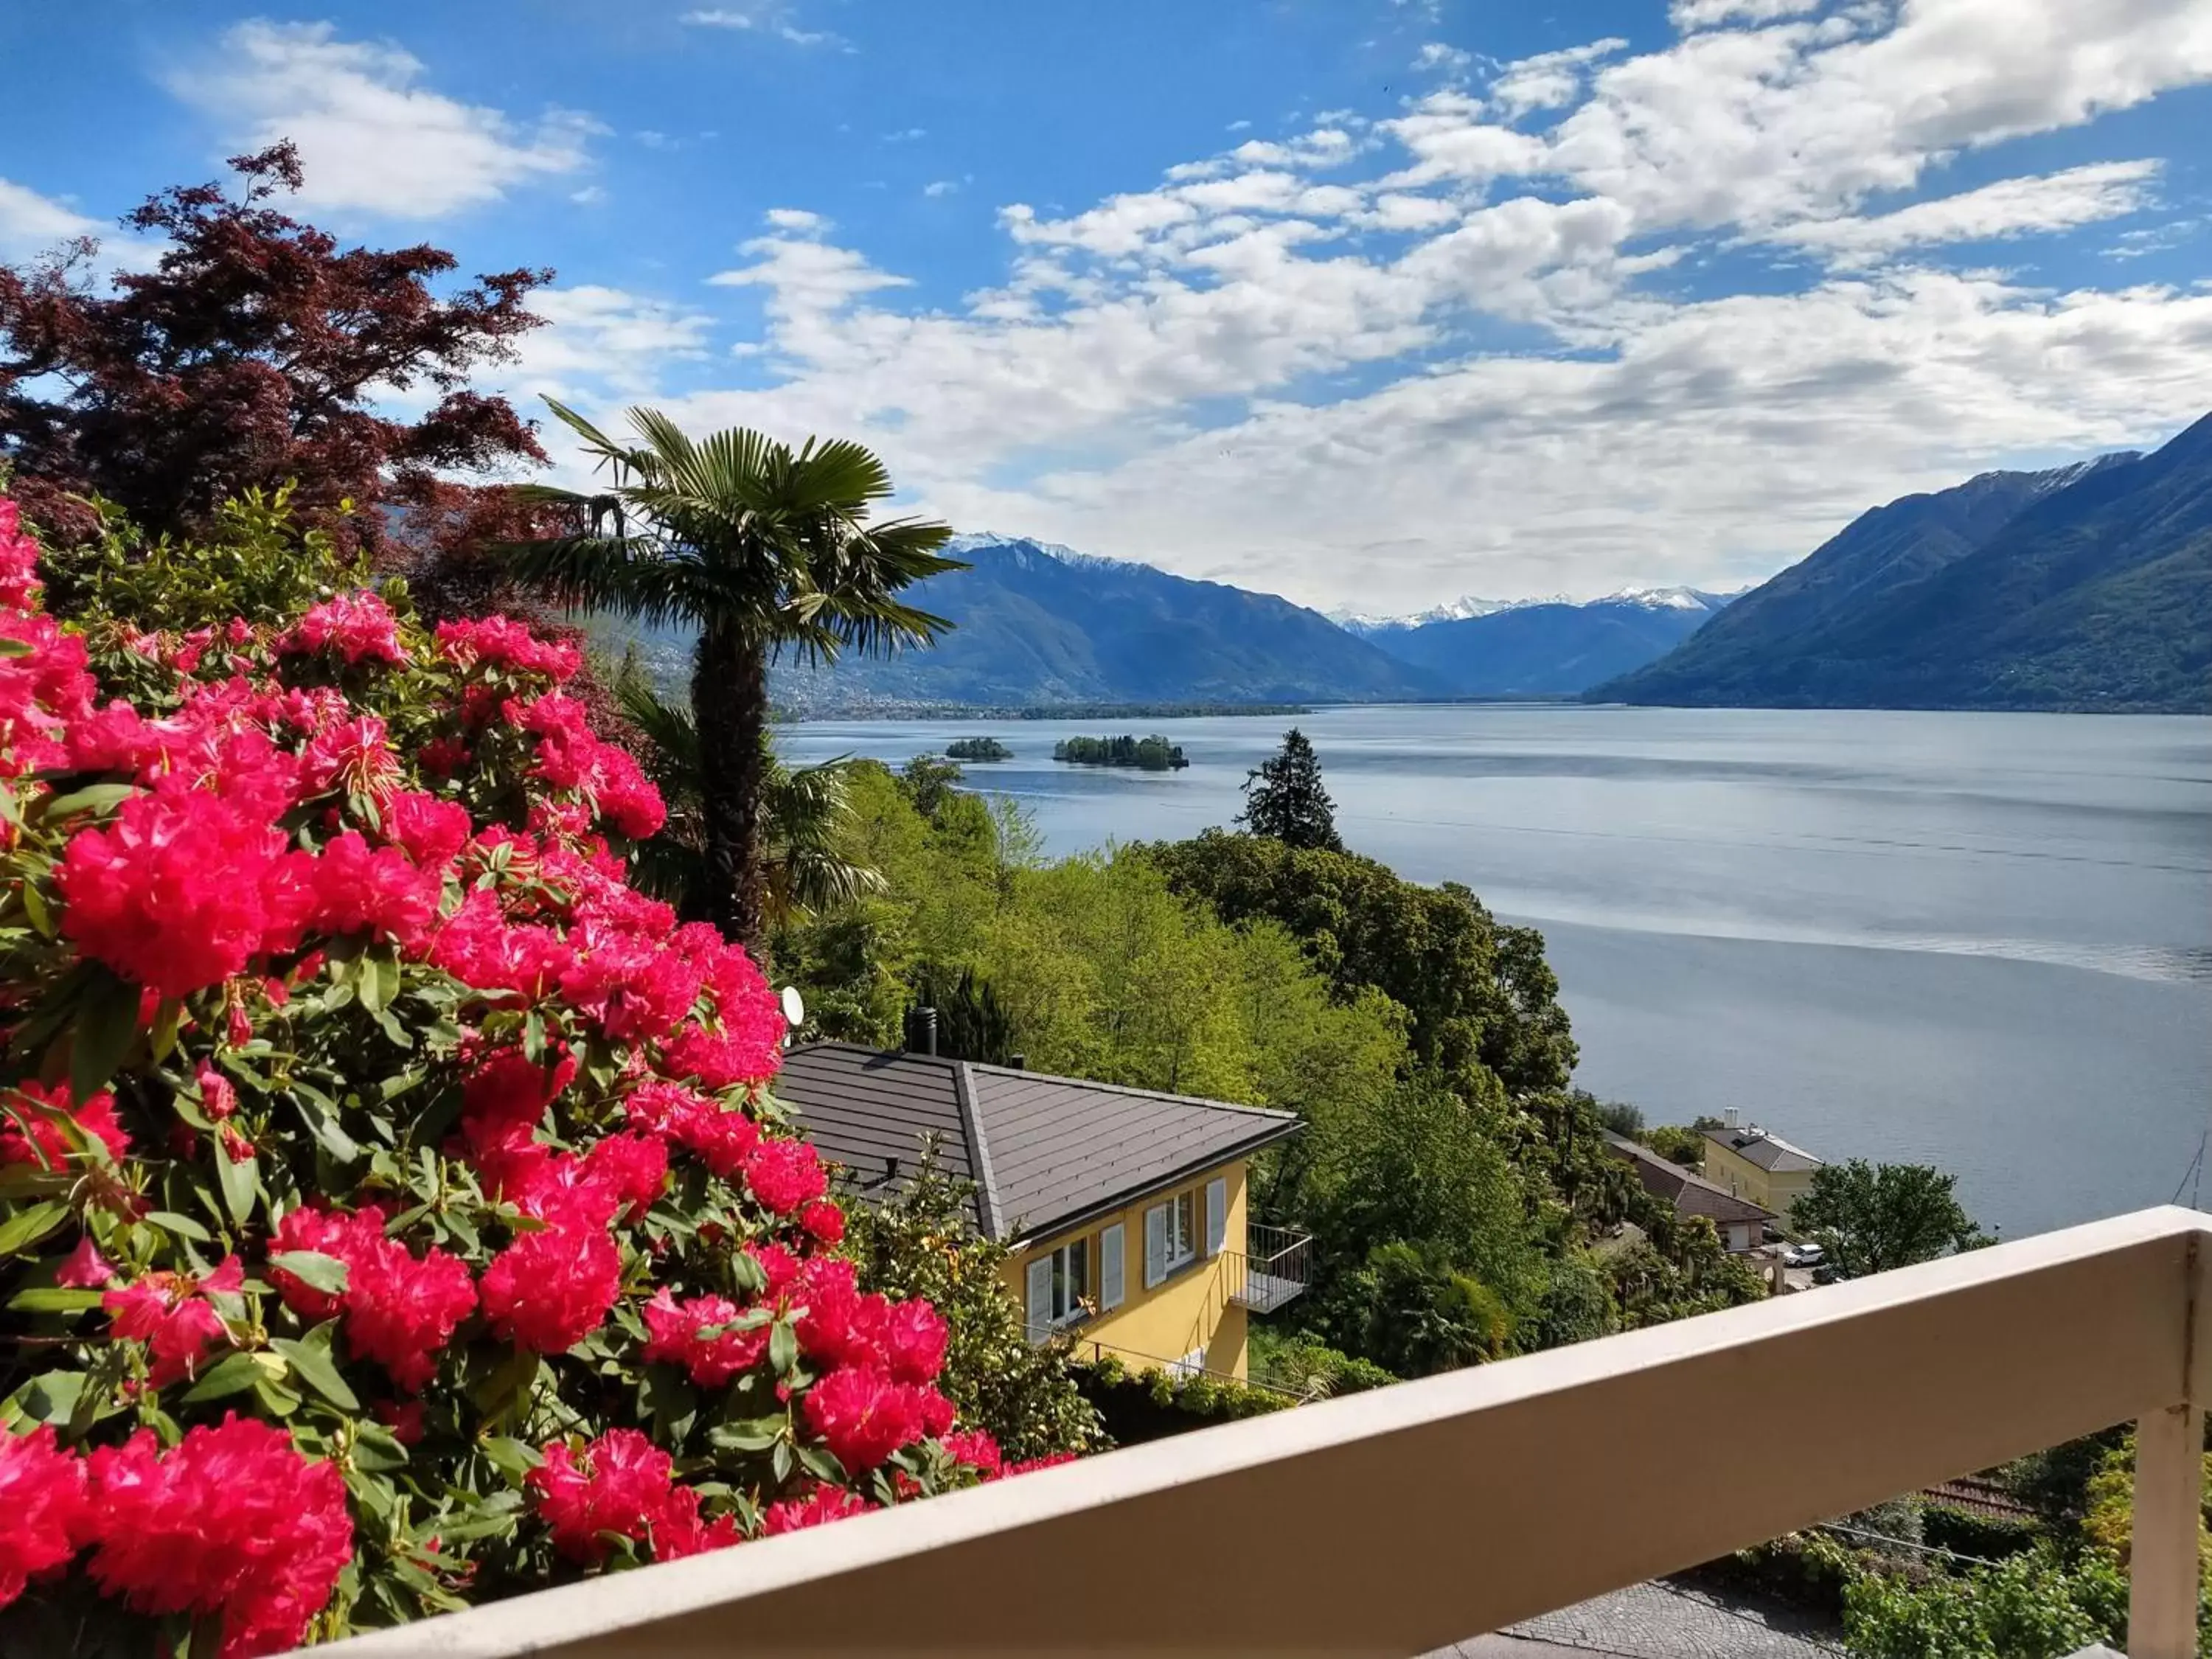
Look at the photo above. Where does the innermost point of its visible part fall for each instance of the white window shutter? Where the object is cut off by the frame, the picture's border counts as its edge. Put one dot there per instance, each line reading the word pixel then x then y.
pixel 1216 1214
pixel 1155 1245
pixel 1109 1267
pixel 1040 1308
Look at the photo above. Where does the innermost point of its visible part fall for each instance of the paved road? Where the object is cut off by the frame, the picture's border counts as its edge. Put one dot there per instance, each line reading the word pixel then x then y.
pixel 1659 1621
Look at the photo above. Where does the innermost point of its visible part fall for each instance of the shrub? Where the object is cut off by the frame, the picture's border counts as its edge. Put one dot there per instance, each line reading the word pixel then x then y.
pixel 394 1211
pixel 1970 1532
pixel 1140 1405
pixel 2035 1606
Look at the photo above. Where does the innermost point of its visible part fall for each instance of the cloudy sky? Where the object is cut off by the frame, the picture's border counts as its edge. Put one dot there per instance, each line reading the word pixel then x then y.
pixel 1364 301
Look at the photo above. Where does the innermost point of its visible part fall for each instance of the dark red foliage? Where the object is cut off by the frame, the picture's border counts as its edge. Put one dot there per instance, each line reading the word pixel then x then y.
pixel 251 357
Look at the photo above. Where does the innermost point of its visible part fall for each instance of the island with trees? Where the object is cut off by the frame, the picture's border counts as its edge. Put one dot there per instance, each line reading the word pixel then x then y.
pixel 1153 754
pixel 977 749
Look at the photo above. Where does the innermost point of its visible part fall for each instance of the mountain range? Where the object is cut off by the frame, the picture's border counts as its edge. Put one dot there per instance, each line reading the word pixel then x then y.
pixel 1037 624
pixel 1555 647
pixel 2085 587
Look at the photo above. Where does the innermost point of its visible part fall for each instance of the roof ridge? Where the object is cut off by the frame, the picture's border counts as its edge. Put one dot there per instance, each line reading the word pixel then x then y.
pixel 1128 1089
pixel 979 1149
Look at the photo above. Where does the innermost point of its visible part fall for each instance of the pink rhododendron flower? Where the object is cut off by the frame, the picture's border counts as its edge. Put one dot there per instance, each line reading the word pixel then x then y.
pixel 500 642
pixel 181 891
pixel 824 1221
pixel 620 1483
pixel 432 831
pixel 550 1290
pixel 674 1333
pixel 85 1268
pixel 722 1138
pixel 863 1416
pixel 506 1095
pixel 170 1314
pixel 32 1127
pixel 381 893
pixel 785 1175
pixel 218 1095
pixel 358 627
pixel 45 1515
pixel 822 1505
pixel 976 1448
pixel 400 1312
pixel 233 1523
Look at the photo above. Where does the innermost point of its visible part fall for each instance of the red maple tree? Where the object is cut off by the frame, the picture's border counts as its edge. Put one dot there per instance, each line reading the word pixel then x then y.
pixel 256 352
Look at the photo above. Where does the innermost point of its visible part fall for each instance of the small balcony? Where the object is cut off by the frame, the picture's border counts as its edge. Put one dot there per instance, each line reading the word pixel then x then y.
pixel 1276 1264
pixel 1466 1502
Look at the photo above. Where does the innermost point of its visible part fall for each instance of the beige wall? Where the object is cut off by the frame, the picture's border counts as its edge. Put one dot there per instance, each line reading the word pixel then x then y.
pixel 1188 1311
pixel 1726 1168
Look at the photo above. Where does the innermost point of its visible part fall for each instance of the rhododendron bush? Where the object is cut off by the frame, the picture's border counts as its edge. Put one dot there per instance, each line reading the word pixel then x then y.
pixel 393 1213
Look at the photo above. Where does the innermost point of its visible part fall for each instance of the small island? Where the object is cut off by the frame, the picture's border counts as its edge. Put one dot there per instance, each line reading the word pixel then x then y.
pixel 977 749
pixel 1153 754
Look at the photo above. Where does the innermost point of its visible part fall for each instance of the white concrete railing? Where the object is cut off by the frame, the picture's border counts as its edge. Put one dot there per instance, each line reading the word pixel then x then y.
pixel 1440 1509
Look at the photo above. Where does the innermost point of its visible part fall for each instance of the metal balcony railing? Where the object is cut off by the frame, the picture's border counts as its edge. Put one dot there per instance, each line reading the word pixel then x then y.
pixel 1439 1509
pixel 1276 1264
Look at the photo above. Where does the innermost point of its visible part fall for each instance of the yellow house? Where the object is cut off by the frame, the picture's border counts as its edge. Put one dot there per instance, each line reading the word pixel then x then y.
pixel 1123 1210
pixel 1760 1167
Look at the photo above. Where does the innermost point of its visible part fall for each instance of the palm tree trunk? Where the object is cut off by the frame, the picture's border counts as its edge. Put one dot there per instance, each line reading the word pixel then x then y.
pixel 729 696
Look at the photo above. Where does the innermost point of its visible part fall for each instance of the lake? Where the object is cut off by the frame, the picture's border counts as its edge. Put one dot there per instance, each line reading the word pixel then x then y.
pixel 1982 941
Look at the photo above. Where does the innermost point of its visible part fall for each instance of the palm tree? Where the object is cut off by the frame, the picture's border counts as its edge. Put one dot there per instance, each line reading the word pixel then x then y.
pixel 762 548
pixel 803 814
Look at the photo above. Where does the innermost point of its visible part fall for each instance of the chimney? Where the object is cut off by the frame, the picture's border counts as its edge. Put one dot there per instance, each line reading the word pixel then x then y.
pixel 1017 1062
pixel 921 1031
pixel 1731 1118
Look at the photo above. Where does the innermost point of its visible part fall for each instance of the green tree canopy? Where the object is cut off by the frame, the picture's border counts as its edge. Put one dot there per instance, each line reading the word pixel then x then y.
pixel 1874 1217
pixel 1284 797
pixel 1483 1004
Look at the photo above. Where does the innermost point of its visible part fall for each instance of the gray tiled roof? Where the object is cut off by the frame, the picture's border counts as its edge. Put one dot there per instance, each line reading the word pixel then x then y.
pixel 1044 1152
pixel 1690 1192
pixel 1770 1152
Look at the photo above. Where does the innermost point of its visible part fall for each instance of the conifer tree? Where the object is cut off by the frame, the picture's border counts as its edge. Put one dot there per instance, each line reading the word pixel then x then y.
pixel 1284 797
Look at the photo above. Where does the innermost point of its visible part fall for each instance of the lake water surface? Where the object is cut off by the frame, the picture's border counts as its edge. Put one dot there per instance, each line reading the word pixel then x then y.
pixel 1982 941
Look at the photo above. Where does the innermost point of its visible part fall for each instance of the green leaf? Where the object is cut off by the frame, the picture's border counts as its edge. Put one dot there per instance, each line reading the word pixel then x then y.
pixel 92 798
pixel 323 1124
pixel 50 1397
pixel 376 1448
pixel 54 1300
pixel 782 1346
pixel 508 1381
pixel 312 1267
pixel 35 906
pixel 166 1020
pixel 106 1026
pixel 511 1457
pixel 240 1184
pixel 821 1465
pixel 183 1225
pixel 312 1362
pixel 236 1374
pixel 380 980
pixel 757 1434
pixel 27 1226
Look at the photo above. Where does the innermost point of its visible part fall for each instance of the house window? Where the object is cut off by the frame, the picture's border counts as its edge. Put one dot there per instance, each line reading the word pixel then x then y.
pixel 1070 1280
pixel 1171 1236
pixel 1058 1282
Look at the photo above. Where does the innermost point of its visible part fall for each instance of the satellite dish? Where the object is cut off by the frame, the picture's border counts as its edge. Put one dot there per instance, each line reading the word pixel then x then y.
pixel 794 1007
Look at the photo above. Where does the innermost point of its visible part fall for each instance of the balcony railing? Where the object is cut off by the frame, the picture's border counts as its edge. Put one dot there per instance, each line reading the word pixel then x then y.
pixel 1458 1504
pixel 1276 1264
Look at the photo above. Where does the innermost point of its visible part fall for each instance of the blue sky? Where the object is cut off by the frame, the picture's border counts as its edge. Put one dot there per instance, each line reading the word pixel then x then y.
pixel 1372 302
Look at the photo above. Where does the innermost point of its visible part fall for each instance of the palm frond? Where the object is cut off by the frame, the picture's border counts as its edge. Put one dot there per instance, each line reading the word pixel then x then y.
pixel 668 727
pixel 627 575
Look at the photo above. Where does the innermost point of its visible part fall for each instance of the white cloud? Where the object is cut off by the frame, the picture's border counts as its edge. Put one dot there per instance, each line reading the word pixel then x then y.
pixel 770 20
pixel 941 187
pixel 1420 355
pixel 370 135
pixel 1711 14
pixel 2011 207
pixel 1435 55
pixel 589 196
pixel 603 339
pixel 1550 79
pixel 31 224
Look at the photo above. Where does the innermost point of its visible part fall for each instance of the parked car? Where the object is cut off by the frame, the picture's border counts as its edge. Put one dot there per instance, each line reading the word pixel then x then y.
pixel 1803 1255
pixel 1828 1273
